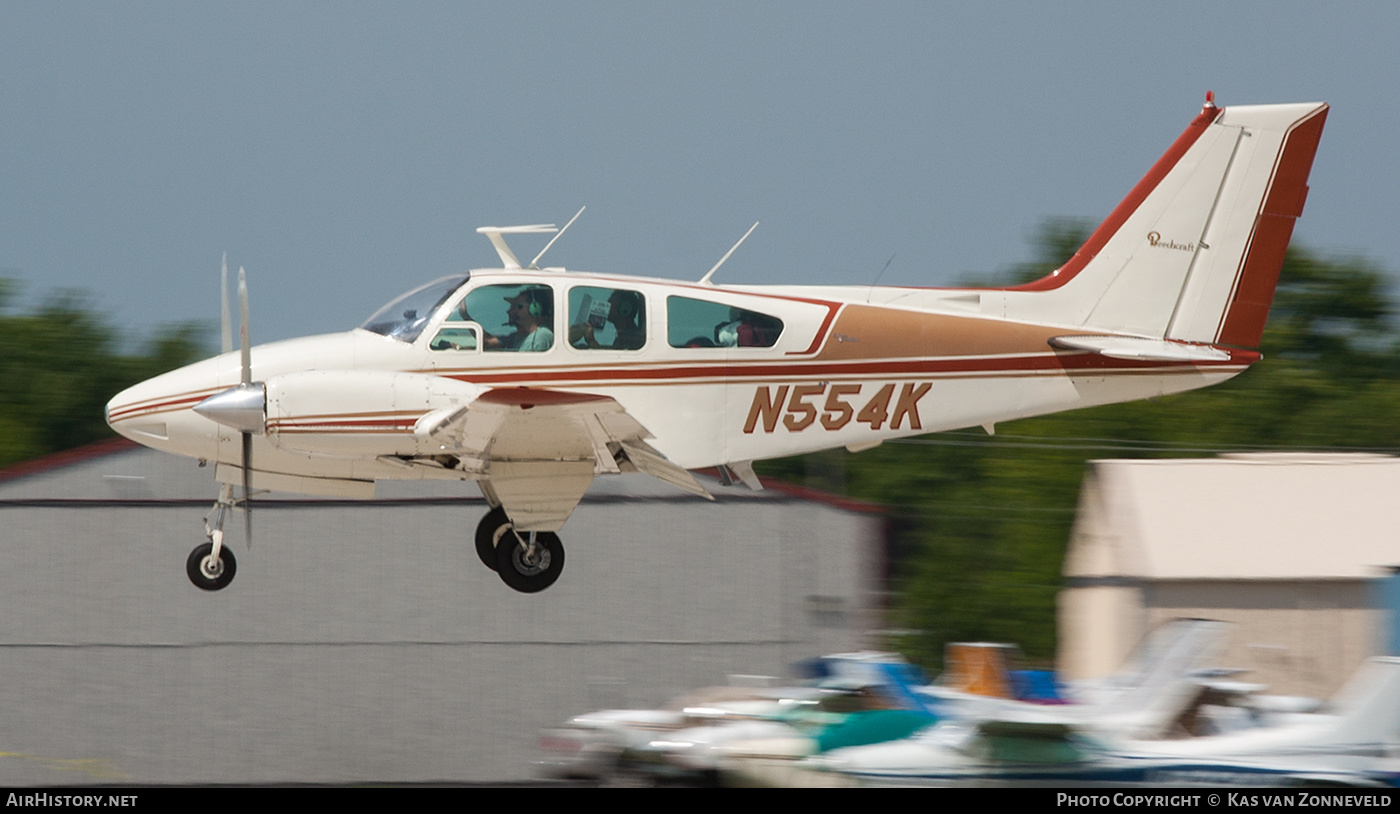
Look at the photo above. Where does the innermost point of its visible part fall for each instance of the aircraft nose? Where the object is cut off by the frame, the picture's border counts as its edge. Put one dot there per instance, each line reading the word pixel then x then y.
pixel 156 413
pixel 132 413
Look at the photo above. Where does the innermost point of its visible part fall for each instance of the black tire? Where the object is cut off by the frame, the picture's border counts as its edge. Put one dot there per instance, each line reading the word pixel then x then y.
pixel 194 567
pixel 491 528
pixel 525 577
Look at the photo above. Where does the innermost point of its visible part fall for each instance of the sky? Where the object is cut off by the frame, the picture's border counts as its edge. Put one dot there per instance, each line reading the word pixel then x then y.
pixel 345 152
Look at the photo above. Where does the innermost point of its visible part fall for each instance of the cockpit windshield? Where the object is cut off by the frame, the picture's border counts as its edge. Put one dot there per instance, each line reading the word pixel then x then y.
pixel 404 318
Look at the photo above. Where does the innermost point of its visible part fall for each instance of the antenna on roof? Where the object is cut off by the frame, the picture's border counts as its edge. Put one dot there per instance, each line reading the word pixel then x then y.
pixel 534 264
pixel 706 279
pixel 494 233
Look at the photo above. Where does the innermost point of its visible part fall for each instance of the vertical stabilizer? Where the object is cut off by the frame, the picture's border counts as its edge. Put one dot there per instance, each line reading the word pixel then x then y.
pixel 1194 251
pixel 1368 707
pixel 1159 682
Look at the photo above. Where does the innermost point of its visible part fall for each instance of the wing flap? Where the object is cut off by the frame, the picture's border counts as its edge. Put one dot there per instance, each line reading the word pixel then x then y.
pixel 648 460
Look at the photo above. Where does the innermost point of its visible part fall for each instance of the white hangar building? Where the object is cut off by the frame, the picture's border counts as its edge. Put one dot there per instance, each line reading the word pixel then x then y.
pixel 364 641
pixel 1294 549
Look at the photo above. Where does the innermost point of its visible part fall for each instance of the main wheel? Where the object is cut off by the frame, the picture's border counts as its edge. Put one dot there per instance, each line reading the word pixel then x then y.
pixel 208 573
pixel 489 532
pixel 528 574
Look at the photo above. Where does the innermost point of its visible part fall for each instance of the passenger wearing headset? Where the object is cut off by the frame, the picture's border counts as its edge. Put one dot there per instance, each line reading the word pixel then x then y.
pixel 530 312
pixel 625 314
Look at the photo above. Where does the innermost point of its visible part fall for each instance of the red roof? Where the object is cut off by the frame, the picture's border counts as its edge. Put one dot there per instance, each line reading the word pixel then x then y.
pixel 67 457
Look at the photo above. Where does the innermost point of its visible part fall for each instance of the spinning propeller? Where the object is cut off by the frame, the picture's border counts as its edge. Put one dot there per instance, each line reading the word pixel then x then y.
pixel 246 384
pixel 242 408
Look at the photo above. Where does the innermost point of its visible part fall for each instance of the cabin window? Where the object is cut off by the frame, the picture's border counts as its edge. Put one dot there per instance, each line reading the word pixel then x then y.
pixel 695 323
pixel 607 318
pixel 512 317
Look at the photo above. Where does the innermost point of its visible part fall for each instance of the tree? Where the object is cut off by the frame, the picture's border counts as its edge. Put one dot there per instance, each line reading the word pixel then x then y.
pixel 61 364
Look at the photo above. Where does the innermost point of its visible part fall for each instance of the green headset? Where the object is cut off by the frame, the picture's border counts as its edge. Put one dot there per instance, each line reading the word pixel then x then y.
pixel 533 306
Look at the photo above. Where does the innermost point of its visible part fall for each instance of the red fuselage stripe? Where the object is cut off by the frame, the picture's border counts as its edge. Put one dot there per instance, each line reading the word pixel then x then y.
pixel 1020 365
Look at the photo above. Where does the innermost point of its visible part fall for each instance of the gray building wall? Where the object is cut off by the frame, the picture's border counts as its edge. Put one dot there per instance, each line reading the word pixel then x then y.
pixel 365 641
pixel 1289 548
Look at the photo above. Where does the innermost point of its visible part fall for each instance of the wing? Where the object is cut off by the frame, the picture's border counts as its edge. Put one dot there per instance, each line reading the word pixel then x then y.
pixel 536 451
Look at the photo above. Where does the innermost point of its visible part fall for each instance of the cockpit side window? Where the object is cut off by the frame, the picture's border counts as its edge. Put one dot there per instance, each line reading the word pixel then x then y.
pixel 462 336
pixel 607 318
pixel 524 315
pixel 693 323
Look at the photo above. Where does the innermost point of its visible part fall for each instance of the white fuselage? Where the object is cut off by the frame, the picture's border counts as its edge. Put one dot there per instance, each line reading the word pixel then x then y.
pixel 841 372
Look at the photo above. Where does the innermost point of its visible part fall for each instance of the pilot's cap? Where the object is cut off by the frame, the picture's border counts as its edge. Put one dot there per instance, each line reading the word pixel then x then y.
pixel 537 299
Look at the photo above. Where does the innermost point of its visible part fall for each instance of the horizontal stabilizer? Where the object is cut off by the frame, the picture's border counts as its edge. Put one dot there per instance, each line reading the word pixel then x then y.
pixel 1136 347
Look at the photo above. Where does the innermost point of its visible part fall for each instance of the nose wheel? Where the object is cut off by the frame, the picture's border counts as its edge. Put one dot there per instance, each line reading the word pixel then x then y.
pixel 210 572
pixel 528 562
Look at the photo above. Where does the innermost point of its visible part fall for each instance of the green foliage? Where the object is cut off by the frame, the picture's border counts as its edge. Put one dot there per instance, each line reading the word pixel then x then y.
pixel 980 524
pixel 61 364
pixel 1055 239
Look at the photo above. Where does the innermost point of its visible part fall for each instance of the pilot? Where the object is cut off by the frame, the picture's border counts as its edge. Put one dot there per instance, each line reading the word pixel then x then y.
pixel 625 313
pixel 530 312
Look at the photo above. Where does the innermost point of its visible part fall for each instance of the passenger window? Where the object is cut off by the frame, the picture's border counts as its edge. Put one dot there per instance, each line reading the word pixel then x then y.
pixel 606 318
pixel 524 314
pixel 702 324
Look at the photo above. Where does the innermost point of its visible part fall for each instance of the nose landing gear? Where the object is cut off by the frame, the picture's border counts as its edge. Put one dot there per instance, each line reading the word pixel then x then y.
pixel 211 565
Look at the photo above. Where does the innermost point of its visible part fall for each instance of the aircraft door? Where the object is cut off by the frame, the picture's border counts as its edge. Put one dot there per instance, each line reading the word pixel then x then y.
pixel 495 325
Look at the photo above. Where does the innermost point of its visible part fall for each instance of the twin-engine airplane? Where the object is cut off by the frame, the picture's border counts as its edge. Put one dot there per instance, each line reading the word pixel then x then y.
pixel 533 381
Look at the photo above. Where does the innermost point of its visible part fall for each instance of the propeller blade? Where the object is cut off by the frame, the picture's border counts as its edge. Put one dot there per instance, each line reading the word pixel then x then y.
pixel 246 350
pixel 248 489
pixel 223 299
pixel 243 343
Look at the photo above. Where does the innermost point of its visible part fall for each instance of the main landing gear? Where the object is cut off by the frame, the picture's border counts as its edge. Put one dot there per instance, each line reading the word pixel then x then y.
pixel 528 561
pixel 211 565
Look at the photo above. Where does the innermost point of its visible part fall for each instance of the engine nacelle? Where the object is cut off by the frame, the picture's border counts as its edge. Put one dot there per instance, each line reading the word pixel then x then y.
pixel 362 412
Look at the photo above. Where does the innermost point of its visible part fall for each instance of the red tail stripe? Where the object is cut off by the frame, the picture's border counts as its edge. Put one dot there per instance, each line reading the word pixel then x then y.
pixel 1127 207
pixel 1254 293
